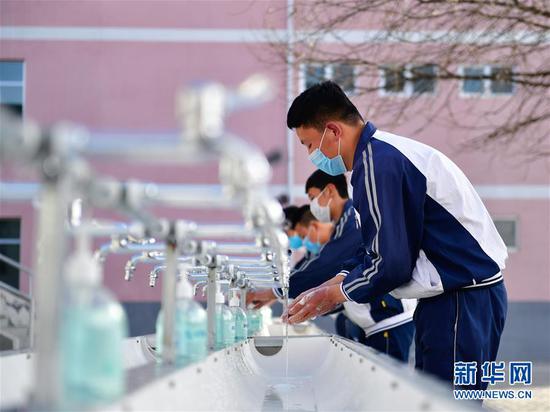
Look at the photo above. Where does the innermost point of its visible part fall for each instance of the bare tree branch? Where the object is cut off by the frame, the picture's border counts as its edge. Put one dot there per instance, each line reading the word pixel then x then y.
pixel 510 37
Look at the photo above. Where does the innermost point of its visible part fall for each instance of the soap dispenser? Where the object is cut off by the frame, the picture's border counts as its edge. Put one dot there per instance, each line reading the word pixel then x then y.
pixel 93 328
pixel 190 334
pixel 239 315
pixel 225 323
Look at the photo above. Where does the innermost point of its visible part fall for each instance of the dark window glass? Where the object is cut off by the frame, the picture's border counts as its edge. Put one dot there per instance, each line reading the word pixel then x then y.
pixel 344 76
pixel 423 78
pixel 315 73
pixel 473 82
pixel 507 230
pixel 11 71
pixel 394 79
pixel 501 80
pixel 10 234
pixel 11 86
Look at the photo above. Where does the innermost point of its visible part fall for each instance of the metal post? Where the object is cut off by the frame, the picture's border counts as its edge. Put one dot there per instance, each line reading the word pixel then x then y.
pixel 211 307
pixel 169 299
pixel 289 95
pixel 244 291
pixel 48 293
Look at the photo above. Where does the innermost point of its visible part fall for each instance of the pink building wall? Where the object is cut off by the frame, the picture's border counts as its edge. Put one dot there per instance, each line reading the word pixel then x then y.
pixel 129 87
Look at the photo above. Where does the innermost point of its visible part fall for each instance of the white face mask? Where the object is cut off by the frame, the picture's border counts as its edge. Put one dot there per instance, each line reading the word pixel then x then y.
pixel 321 213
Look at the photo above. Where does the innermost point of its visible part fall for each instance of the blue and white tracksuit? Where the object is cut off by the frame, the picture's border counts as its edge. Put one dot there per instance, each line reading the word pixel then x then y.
pixel 375 317
pixel 427 235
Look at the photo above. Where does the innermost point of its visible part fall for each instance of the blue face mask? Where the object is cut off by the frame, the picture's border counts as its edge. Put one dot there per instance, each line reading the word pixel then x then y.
pixel 313 247
pixel 295 242
pixel 334 166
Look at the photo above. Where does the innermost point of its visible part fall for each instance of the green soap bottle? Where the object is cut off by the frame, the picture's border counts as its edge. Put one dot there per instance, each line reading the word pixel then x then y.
pixel 225 323
pixel 254 322
pixel 190 328
pixel 241 320
pixel 93 329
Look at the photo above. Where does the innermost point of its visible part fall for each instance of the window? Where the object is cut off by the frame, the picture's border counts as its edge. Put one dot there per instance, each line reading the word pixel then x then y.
pixel 343 74
pixel 473 82
pixel 408 79
pixel 507 228
pixel 315 73
pixel 394 79
pixel 501 80
pixel 487 80
pixel 12 86
pixel 423 78
pixel 10 230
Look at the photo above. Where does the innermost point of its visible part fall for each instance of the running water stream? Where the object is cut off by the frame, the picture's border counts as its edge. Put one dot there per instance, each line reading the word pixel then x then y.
pixel 286 333
pixel 285 342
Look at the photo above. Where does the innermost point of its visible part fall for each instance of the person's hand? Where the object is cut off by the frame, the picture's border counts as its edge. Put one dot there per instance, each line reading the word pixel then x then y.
pixel 259 298
pixel 314 302
pixel 336 280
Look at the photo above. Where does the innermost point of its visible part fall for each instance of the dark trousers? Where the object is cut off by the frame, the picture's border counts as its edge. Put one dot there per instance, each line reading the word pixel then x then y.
pixel 394 342
pixel 461 326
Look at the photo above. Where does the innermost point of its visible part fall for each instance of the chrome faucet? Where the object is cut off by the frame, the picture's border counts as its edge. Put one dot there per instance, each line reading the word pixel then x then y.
pixel 204 284
pixel 154 274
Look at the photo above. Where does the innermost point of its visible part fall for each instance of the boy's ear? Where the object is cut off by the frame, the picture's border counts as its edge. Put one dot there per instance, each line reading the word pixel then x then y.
pixel 330 188
pixel 335 128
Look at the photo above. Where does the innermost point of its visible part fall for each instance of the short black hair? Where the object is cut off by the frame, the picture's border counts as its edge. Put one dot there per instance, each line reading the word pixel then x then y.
pixel 290 216
pixel 320 180
pixel 319 104
pixel 307 218
pixel 293 214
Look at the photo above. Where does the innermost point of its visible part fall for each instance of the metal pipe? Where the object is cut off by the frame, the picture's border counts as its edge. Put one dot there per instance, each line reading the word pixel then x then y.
pixel 290 96
pixel 257 268
pixel 266 284
pixel 169 302
pixel 223 231
pixel 211 307
pixel 147 152
pixel 192 197
pixel 122 247
pixel 260 275
pixel 244 291
pixel 247 260
pixel 48 292
pixel 235 248
pixel 98 228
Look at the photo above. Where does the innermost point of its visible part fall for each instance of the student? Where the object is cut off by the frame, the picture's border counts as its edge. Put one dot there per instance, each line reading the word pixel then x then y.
pixel 297 250
pixel 384 324
pixel 426 234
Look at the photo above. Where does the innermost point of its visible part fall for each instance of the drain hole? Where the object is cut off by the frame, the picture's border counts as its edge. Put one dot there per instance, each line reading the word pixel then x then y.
pixel 268 345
